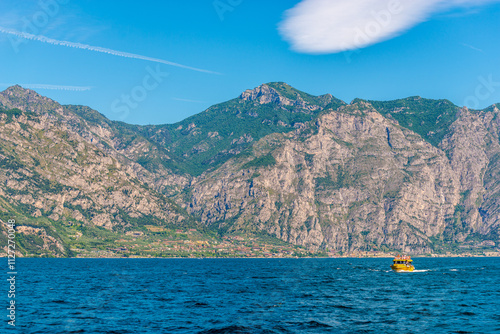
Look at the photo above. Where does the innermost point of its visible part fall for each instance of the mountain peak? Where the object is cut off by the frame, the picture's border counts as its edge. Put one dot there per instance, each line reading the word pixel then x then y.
pixel 284 95
pixel 263 94
pixel 26 99
pixel 280 94
pixel 17 90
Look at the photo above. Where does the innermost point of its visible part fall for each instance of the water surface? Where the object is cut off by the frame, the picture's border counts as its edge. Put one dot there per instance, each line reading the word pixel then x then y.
pixel 455 295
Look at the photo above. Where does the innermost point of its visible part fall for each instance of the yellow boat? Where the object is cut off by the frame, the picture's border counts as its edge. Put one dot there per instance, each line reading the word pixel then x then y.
pixel 402 263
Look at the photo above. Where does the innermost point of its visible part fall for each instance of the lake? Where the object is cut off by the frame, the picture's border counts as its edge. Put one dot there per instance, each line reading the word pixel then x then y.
pixel 444 295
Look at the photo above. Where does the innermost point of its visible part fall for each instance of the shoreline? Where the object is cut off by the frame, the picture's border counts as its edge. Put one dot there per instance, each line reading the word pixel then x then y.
pixel 267 258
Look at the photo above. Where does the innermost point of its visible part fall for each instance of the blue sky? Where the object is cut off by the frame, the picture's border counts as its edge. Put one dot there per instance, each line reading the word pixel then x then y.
pixel 440 49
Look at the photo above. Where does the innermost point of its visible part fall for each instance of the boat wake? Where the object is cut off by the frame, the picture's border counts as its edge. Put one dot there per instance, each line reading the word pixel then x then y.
pixel 420 271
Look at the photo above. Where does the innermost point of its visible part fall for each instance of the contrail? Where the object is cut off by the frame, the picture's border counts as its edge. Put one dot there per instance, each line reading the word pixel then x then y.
pixel 48 40
pixel 53 87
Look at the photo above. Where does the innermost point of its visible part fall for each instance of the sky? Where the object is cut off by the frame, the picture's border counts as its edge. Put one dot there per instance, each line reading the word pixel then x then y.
pixel 157 62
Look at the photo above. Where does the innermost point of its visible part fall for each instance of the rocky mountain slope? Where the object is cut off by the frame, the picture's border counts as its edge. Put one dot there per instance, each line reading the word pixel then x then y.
pixel 207 140
pixel 59 169
pixel 413 175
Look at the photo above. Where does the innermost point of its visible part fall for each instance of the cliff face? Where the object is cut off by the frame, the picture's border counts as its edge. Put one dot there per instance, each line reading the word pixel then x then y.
pixel 205 141
pixel 473 146
pixel 311 171
pixel 354 179
pixel 62 168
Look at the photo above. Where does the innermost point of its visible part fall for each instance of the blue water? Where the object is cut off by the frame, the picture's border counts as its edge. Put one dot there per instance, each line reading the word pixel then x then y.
pixel 457 295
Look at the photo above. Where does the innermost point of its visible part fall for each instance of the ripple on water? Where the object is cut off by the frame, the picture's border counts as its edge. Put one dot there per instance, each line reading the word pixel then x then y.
pixel 277 296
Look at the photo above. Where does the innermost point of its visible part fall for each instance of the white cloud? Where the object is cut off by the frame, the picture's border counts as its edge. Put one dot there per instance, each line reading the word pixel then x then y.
pixel 330 26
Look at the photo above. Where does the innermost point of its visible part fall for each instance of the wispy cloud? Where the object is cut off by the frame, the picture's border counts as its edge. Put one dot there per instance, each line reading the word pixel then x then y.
pixel 52 41
pixel 325 26
pixel 187 100
pixel 472 47
pixel 51 87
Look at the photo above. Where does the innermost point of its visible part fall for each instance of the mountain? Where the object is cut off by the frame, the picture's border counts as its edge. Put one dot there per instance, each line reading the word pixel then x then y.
pixel 60 169
pixel 205 141
pixel 273 165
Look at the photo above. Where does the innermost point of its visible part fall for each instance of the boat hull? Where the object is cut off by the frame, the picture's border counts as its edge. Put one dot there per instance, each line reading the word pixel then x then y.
pixel 402 268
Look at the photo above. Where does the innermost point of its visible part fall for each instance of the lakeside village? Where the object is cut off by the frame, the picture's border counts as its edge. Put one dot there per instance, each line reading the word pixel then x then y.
pixel 157 242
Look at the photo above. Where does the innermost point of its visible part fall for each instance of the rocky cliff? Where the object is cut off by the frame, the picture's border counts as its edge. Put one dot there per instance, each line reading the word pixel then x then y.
pixel 60 169
pixel 413 175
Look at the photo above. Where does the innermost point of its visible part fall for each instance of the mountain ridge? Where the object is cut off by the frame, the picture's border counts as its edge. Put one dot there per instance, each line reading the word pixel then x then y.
pixel 412 174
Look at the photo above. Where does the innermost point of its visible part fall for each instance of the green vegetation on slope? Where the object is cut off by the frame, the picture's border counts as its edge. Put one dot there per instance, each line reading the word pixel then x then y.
pixel 207 140
pixel 431 119
pixel 10 113
pixel 263 161
pixel 326 101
